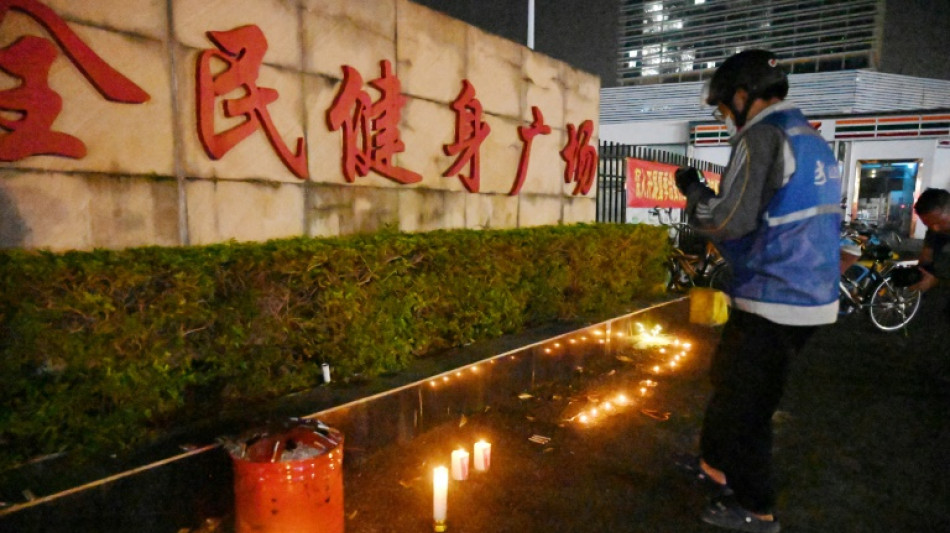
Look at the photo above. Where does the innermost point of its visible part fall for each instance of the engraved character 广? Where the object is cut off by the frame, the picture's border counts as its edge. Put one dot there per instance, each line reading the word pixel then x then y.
pixel 527 135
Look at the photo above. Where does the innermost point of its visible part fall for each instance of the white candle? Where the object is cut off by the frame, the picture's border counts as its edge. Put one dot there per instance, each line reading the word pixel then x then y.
pixel 440 489
pixel 460 465
pixel 326 372
pixel 482 455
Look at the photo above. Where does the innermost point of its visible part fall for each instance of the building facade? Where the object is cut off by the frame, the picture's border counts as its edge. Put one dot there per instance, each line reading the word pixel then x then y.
pixel 664 41
pixel 891 133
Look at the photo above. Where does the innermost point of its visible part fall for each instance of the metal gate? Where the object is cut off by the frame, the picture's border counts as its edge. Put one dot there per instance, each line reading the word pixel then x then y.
pixel 612 175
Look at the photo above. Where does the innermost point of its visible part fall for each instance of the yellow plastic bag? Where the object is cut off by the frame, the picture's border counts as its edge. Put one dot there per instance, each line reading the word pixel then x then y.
pixel 708 307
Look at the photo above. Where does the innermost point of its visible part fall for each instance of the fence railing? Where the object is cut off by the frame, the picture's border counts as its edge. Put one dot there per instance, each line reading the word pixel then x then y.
pixel 612 175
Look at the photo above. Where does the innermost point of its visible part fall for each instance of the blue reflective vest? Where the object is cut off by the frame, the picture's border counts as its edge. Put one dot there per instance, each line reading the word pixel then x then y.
pixel 787 270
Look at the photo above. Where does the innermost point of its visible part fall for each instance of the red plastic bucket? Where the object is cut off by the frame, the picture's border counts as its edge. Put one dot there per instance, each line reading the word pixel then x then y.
pixel 275 495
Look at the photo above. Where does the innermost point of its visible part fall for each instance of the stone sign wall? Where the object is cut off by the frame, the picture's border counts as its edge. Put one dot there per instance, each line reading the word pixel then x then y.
pixel 174 122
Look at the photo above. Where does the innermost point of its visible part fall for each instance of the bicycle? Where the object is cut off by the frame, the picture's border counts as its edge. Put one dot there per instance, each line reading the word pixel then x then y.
pixel 705 268
pixel 878 283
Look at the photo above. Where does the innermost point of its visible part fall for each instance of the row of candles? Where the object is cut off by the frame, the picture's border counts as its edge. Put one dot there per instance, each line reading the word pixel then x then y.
pixel 643 338
pixel 678 350
pixel 481 451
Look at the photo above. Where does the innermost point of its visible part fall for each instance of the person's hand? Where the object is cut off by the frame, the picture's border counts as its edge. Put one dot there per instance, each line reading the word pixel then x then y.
pixel 927 282
pixel 686 177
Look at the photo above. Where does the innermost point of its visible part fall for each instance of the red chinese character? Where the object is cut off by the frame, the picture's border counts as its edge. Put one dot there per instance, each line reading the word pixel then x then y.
pixel 527 134
pixel 37 104
pixel 370 130
pixel 470 131
pixel 33 103
pixel 580 157
pixel 242 50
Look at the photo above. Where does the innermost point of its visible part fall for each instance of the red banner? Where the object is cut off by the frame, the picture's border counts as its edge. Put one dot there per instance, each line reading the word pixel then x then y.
pixel 651 184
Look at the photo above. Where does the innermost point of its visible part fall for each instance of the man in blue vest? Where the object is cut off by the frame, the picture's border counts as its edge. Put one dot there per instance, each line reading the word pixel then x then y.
pixel 777 220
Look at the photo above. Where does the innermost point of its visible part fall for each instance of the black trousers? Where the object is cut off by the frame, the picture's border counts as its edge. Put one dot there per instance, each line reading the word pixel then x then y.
pixel 748 374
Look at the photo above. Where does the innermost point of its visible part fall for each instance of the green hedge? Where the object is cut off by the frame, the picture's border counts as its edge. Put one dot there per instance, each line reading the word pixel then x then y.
pixel 103 351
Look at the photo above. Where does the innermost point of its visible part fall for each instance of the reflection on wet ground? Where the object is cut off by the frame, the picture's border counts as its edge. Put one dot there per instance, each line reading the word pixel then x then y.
pixel 402 414
pixel 177 492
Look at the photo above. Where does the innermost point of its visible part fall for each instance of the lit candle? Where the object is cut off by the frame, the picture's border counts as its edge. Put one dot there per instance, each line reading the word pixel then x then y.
pixel 440 489
pixel 460 465
pixel 482 458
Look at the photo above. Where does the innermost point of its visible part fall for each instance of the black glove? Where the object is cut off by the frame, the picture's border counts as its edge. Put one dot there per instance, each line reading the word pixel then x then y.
pixel 686 178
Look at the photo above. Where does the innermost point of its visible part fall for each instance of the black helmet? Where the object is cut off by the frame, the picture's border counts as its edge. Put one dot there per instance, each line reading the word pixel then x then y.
pixel 756 71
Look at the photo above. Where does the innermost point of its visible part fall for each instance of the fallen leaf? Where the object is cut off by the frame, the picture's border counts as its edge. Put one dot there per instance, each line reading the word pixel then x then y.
pixel 539 439
pixel 656 415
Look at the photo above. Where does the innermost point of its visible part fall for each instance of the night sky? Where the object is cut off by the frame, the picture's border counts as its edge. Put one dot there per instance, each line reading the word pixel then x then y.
pixel 582 33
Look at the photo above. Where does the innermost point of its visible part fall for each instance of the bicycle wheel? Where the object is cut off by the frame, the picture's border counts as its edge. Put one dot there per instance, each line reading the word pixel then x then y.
pixel 893 307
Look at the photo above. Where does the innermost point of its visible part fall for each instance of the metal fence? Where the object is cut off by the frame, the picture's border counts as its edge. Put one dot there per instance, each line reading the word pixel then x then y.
pixel 612 175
